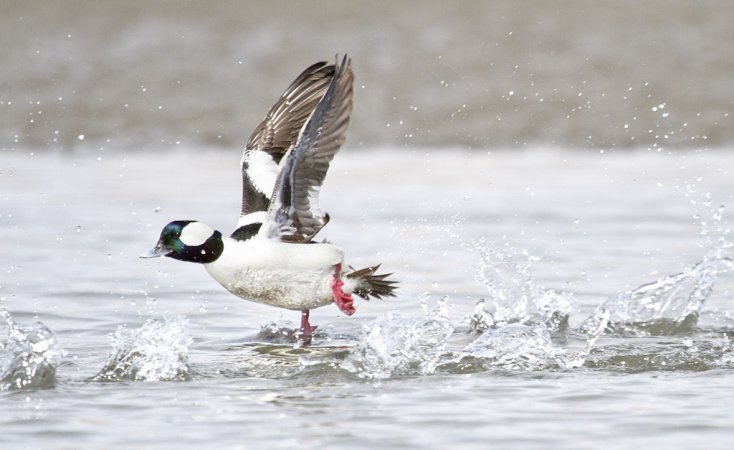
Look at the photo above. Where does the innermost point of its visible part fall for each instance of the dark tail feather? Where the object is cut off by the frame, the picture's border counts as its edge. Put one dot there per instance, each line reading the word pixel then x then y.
pixel 372 285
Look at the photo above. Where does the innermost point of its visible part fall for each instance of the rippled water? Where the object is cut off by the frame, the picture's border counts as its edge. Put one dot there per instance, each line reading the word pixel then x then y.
pixel 548 299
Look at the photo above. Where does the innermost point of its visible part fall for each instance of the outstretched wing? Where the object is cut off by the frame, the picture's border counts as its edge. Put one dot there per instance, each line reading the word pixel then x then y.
pixel 294 214
pixel 277 133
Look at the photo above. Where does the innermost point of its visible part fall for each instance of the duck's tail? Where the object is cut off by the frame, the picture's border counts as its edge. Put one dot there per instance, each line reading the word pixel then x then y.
pixel 368 284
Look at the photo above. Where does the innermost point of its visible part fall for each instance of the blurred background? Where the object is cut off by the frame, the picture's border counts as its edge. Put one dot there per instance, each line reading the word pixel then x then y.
pixel 466 74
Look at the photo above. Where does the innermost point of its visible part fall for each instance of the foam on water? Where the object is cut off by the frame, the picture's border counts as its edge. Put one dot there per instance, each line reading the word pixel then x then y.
pixel 29 356
pixel 157 351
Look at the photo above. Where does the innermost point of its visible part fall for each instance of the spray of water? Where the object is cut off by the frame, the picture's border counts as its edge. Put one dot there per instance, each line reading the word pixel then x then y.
pixel 157 351
pixel 29 356
pixel 671 304
pixel 395 345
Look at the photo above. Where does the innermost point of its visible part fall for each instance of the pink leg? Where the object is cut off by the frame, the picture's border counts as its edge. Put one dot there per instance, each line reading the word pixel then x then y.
pixel 343 301
pixel 307 330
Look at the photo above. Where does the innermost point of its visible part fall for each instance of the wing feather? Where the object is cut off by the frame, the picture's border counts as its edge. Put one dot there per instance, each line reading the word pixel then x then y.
pixel 277 133
pixel 294 213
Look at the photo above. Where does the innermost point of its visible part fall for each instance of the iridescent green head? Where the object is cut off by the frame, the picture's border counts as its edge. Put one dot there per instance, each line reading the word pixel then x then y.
pixel 188 240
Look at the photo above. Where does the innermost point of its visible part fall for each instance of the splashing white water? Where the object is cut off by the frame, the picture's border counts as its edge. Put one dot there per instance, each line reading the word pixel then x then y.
pixel 518 319
pixel 512 293
pixel 394 345
pixel 29 357
pixel 676 298
pixel 157 351
pixel 516 347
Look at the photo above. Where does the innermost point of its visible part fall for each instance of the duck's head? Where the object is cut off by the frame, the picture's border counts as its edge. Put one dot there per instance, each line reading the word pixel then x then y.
pixel 188 240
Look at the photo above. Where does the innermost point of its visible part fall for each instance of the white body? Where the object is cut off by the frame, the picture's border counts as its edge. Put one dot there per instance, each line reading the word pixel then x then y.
pixel 287 275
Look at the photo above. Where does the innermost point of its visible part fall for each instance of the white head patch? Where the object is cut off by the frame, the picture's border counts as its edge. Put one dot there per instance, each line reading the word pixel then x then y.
pixel 195 233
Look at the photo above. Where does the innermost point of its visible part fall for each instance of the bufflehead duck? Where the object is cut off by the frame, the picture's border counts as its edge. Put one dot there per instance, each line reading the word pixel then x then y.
pixel 271 256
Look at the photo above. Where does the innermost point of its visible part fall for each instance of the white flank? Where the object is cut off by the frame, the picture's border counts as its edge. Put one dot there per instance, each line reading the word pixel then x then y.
pixel 261 170
pixel 195 233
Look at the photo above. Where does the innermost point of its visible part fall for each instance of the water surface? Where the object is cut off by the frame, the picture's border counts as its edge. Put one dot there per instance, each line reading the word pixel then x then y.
pixel 548 298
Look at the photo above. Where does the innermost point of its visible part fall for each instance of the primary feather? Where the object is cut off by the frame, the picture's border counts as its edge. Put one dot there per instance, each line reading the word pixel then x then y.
pixel 294 214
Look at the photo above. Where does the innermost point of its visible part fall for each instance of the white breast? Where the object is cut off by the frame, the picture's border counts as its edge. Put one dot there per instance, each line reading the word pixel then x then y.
pixel 286 275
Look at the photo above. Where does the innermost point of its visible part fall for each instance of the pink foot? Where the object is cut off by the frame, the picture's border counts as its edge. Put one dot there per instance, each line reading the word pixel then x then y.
pixel 343 301
pixel 307 330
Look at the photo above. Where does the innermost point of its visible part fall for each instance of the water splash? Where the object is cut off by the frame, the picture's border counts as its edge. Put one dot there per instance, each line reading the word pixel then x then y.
pixel 519 322
pixel 515 347
pixel 157 351
pixel 518 318
pixel 595 326
pixel 287 332
pixel 280 331
pixel 727 358
pixel 29 357
pixel 525 347
pixel 481 320
pixel 395 345
pixel 513 293
pixel 671 304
